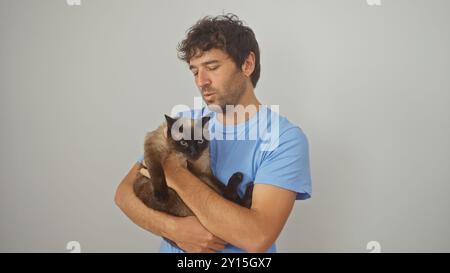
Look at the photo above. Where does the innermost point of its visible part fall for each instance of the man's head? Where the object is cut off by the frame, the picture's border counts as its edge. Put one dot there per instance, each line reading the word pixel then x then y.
pixel 223 55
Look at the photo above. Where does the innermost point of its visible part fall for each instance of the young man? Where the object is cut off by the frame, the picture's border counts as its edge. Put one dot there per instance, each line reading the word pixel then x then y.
pixel 223 56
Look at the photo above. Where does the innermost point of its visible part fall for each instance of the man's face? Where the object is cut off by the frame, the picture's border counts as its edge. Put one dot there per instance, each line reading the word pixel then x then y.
pixel 218 78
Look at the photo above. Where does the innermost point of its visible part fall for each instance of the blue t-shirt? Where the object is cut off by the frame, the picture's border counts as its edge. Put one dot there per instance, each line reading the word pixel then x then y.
pixel 267 149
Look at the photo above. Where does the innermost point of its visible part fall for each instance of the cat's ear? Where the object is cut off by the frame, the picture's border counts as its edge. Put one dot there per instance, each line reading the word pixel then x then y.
pixel 170 121
pixel 205 120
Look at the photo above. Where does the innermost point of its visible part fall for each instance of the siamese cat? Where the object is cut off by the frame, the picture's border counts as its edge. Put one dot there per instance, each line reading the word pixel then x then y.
pixel 189 146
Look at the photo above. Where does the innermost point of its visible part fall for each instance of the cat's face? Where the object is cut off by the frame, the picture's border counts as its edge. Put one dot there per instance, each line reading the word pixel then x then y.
pixel 187 135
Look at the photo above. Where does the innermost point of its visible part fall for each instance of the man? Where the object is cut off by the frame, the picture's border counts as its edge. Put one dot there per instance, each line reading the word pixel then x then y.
pixel 223 56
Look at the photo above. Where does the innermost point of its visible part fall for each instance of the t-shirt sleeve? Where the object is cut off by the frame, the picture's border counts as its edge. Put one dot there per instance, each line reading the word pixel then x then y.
pixel 287 166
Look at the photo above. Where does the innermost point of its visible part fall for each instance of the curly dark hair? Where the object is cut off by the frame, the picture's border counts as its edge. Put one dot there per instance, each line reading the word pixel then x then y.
pixel 225 32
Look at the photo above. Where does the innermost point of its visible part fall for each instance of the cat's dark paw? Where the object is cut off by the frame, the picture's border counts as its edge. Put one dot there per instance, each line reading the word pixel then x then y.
pixel 237 176
pixel 231 191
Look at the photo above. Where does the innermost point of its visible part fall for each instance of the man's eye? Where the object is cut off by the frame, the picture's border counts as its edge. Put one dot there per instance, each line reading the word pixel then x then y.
pixel 212 68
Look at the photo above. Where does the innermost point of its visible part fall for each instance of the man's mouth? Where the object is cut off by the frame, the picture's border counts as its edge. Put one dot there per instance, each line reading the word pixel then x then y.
pixel 208 95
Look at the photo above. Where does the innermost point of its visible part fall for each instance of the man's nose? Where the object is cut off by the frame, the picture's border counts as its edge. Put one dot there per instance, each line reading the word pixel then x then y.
pixel 203 79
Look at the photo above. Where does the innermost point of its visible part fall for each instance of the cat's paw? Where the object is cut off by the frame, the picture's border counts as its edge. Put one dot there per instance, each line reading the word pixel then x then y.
pixel 234 181
pixel 237 176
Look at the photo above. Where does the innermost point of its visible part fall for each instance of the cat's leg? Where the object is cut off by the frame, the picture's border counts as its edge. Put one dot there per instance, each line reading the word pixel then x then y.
pixel 232 190
pixel 234 181
pixel 161 190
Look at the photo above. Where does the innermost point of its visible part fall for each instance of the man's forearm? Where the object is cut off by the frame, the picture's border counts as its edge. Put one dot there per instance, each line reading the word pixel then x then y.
pixel 240 226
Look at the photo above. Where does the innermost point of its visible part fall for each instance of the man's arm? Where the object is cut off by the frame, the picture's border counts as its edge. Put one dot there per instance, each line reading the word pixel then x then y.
pixel 254 229
pixel 187 232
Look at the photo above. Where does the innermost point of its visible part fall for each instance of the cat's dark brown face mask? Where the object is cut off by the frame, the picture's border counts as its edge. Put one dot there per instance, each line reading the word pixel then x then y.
pixel 187 136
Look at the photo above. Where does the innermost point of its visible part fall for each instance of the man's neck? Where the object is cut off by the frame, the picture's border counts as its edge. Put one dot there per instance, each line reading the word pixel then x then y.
pixel 247 107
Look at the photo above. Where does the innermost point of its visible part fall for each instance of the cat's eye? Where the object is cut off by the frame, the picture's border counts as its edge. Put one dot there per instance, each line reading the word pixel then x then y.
pixel 184 143
pixel 200 141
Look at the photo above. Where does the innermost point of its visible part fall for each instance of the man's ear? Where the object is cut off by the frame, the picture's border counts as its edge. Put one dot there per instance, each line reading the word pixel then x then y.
pixel 249 64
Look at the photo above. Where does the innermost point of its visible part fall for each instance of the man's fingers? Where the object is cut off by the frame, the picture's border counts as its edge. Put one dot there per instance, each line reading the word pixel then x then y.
pixel 191 248
pixel 217 240
pixel 144 172
pixel 217 247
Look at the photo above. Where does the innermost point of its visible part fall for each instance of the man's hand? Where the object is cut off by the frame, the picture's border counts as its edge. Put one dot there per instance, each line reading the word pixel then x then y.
pixel 173 163
pixel 191 236
pixel 144 171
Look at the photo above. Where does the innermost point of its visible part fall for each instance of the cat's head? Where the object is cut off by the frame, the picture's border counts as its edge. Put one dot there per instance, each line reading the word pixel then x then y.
pixel 188 136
